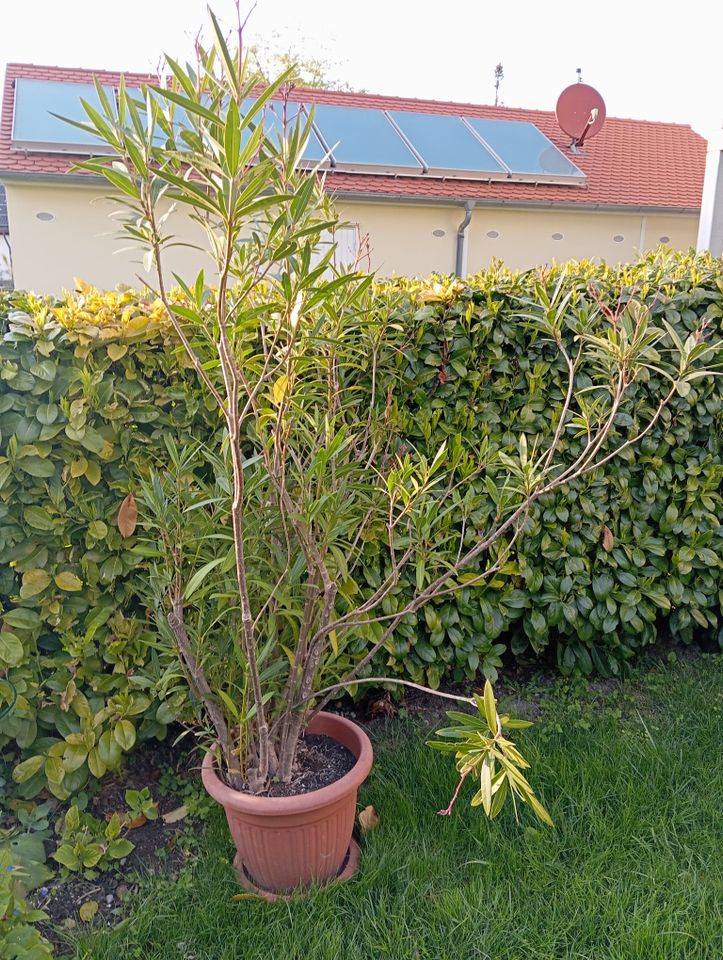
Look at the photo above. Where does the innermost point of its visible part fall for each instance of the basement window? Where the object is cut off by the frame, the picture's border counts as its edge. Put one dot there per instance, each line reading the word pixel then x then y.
pixel 45 216
pixel 664 239
pixel 493 234
pixel 557 236
pixel 618 238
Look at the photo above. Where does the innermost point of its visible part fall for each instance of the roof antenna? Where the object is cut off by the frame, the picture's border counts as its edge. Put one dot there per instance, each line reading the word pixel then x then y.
pixel 499 77
pixel 578 71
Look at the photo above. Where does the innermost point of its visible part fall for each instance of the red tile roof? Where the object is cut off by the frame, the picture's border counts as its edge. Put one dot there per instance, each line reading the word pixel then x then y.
pixel 636 163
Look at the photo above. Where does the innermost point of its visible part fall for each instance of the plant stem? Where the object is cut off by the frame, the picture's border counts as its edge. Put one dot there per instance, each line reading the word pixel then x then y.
pixel 401 683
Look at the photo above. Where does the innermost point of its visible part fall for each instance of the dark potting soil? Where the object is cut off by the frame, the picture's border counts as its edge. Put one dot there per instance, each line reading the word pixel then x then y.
pixel 320 761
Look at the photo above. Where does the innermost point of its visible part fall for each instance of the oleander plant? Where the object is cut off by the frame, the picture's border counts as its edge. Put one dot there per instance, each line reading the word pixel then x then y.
pixel 258 540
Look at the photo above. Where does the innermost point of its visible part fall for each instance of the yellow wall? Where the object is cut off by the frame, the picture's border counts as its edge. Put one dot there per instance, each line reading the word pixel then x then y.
pixel 79 240
pixel 402 240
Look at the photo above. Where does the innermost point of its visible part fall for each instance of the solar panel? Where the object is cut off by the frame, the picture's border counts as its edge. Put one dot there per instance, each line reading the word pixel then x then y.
pixel 364 141
pixel 523 148
pixel 447 146
pixel 354 139
pixel 275 113
pixel 34 127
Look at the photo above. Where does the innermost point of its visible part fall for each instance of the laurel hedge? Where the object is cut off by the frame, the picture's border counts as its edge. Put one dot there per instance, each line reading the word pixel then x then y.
pixel 90 385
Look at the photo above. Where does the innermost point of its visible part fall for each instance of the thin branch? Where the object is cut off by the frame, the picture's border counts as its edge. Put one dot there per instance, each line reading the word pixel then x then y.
pixel 403 683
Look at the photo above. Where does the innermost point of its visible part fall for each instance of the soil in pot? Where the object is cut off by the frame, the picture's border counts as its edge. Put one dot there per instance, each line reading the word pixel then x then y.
pixel 320 761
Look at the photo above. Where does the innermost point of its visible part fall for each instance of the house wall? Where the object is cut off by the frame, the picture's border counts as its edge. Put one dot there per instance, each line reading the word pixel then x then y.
pixel 402 239
pixel 79 240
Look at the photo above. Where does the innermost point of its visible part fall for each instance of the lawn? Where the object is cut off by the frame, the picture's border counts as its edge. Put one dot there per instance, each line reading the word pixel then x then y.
pixel 633 871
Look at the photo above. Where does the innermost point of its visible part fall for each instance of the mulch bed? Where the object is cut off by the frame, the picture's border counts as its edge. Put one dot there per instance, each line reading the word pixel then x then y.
pixel 157 845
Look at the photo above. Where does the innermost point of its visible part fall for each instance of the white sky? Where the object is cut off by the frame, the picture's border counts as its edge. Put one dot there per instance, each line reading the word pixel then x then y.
pixel 650 60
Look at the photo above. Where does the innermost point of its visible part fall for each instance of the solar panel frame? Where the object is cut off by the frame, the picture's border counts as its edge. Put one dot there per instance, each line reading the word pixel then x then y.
pixel 77 142
pixel 489 168
pixel 406 162
pixel 517 173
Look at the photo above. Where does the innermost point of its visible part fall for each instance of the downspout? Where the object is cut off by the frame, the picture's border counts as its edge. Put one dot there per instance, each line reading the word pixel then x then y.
pixel 460 265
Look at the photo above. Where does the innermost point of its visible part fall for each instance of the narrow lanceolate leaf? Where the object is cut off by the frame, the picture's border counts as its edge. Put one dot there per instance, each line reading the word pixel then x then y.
pixel 232 137
pixel 498 801
pixel 490 708
pixel 199 576
pixel 539 810
pixel 486 784
pixel 128 516
pixel 231 68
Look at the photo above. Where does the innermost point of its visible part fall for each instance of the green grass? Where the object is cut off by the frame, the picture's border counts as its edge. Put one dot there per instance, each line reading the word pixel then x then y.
pixel 633 870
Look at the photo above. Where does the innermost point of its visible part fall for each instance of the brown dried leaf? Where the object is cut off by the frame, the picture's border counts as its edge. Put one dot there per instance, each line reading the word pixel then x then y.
pixel 128 516
pixel 173 816
pixel 607 539
pixel 138 821
pixel 368 819
pixel 382 707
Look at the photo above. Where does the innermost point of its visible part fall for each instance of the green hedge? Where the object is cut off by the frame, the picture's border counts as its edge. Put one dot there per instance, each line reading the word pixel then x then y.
pixel 87 391
pixel 90 384
pixel 470 368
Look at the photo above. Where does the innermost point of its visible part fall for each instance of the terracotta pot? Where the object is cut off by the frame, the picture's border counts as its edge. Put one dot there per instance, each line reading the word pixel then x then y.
pixel 287 842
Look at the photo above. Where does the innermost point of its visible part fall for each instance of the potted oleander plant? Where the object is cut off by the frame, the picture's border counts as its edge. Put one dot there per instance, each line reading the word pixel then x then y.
pixel 255 535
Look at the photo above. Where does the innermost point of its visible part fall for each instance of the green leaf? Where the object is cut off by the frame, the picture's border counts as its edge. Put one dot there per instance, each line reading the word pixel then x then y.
pixel 28 768
pixel 109 750
pixel 125 734
pixel 39 518
pixel 113 829
pixel 490 709
pixel 54 769
pixel 66 856
pixel 37 467
pixel 74 757
pixel 47 413
pixel 11 650
pixel 117 350
pixel 200 575
pixel 117 849
pixel 34 582
pixel 21 618
pixel 232 137
pixel 88 910
pixel 231 69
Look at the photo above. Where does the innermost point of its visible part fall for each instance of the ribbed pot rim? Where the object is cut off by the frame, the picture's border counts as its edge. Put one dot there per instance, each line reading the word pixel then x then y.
pixel 303 802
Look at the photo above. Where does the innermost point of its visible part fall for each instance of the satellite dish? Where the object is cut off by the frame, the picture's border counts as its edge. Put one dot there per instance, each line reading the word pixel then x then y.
pixel 580 112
